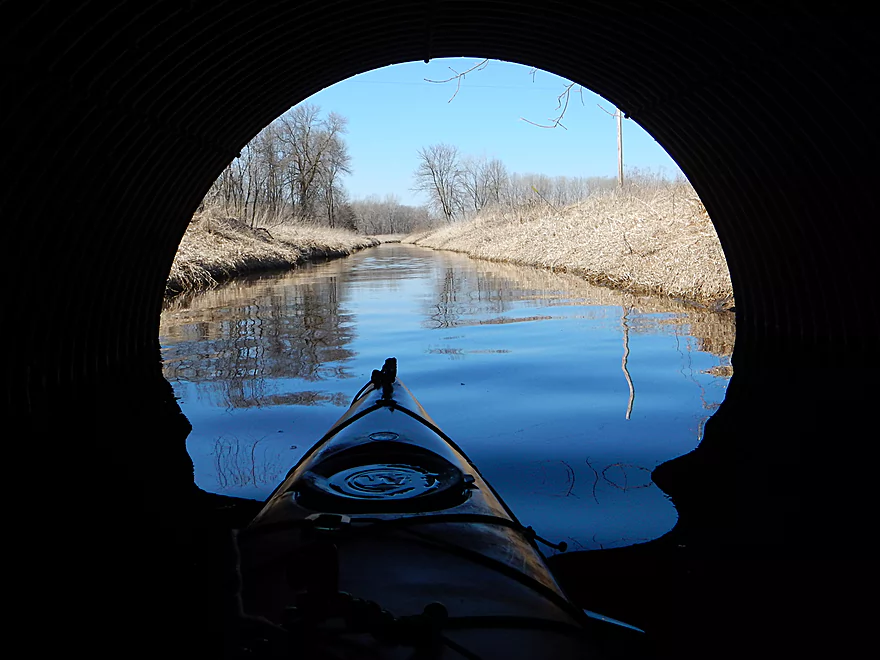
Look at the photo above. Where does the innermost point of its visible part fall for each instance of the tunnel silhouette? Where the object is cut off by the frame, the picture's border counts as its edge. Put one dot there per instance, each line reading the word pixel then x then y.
pixel 118 118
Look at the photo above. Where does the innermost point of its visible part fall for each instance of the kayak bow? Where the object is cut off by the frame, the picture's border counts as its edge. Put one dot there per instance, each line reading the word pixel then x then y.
pixel 385 538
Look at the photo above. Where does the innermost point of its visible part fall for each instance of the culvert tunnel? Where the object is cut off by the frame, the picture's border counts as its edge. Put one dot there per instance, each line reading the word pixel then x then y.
pixel 118 118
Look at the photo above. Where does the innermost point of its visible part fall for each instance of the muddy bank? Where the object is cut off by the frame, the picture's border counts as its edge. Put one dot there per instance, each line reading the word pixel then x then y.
pixel 654 240
pixel 216 248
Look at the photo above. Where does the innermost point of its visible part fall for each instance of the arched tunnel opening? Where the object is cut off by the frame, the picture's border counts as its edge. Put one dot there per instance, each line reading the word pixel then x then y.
pixel 118 120
pixel 505 358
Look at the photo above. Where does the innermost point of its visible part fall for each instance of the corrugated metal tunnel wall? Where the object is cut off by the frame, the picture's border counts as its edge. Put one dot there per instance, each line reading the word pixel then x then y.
pixel 117 117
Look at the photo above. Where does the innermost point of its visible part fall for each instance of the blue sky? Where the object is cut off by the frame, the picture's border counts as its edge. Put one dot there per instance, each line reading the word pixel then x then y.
pixel 393 112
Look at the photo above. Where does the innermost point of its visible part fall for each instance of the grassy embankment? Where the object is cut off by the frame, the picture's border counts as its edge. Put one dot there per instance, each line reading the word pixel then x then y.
pixel 216 248
pixel 655 239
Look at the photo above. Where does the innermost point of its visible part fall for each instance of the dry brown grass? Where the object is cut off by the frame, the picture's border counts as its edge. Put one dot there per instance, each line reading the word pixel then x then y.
pixel 216 248
pixel 649 239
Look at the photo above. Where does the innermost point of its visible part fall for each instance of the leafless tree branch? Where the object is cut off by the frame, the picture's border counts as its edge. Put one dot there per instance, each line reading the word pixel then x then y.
pixel 458 77
pixel 555 123
pixel 571 479
pixel 595 480
pixel 562 102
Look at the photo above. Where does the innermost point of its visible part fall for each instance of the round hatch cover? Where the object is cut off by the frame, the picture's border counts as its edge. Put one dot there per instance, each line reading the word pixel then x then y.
pixel 383 480
pixel 407 479
pixel 380 436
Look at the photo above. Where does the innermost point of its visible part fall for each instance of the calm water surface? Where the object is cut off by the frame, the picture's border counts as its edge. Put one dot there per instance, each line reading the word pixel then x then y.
pixel 565 395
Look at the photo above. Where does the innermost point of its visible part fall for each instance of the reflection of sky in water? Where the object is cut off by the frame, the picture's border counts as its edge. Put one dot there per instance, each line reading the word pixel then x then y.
pixel 522 367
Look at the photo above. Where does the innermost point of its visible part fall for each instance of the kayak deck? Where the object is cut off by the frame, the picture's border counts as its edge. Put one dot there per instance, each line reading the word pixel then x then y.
pixel 387 537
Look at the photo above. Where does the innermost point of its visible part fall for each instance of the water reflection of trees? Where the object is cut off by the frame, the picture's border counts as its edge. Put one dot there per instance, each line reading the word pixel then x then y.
pixel 557 478
pixel 619 475
pixel 467 296
pixel 305 398
pixel 242 464
pixel 603 483
pixel 463 293
pixel 238 339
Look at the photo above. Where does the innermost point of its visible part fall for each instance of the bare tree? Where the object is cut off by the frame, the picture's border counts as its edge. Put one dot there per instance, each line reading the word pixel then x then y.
pixel 292 169
pixel 336 162
pixel 392 216
pixel 388 216
pixel 497 180
pixel 310 144
pixel 270 156
pixel 439 174
pixel 476 184
pixel 296 128
pixel 369 215
pixel 227 191
pixel 346 218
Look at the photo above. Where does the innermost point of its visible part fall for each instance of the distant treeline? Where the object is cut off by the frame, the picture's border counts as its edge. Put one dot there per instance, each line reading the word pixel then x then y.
pixel 460 186
pixel 293 172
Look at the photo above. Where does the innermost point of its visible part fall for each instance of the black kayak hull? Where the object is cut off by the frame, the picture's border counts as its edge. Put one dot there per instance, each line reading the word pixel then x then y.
pixel 385 527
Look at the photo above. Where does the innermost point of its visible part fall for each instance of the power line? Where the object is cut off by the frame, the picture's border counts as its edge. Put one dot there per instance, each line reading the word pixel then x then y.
pixel 425 84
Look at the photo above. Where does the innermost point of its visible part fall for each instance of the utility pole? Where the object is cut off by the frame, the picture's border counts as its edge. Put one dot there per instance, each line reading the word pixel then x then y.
pixel 623 362
pixel 619 116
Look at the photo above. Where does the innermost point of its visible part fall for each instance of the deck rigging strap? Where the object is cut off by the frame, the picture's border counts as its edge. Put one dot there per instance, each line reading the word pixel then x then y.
pixel 554 597
pixel 479 518
pixel 336 523
pixel 405 525
pixel 349 615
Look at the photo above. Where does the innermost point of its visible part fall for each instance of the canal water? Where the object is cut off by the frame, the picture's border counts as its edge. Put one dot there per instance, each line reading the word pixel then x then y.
pixel 565 395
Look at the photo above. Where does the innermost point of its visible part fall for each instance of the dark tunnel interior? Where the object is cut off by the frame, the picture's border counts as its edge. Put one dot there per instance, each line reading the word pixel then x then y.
pixel 117 118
